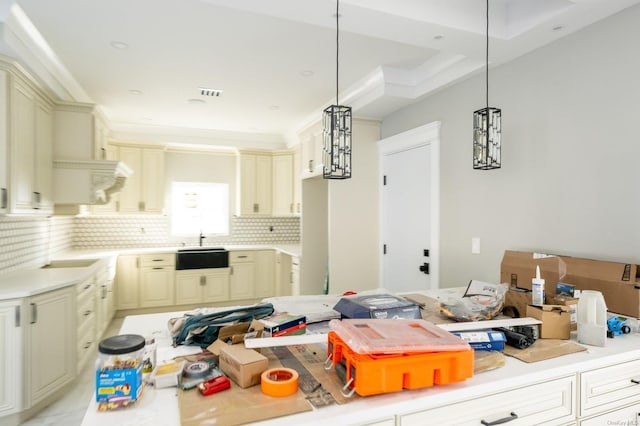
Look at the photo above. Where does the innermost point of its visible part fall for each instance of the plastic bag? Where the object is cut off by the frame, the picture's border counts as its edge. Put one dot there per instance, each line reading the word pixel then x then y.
pixel 481 301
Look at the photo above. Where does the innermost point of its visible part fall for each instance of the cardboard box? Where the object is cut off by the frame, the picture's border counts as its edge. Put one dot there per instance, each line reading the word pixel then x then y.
pixel 243 366
pixel 283 324
pixel 118 388
pixel 619 283
pixel 377 306
pixel 515 302
pixel 555 319
pixel 572 303
pixel 518 268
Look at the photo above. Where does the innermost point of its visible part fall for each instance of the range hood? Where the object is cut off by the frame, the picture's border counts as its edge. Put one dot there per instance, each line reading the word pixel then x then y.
pixel 88 181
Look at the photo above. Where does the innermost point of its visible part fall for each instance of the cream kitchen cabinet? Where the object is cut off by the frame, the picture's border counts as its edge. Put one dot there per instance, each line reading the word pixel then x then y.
pixel 4 137
pixel 283 274
pixel 283 188
pixel 156 279
pixel 30 148
pixel 86 321
pixel 145 280
pixel 105 283
pixel 254 183
pixel 297 181
pixel 312 160
pixel 550 403
pixel 80 132
pixel 144 190
pixel 127 286
pixel 50 350
pixel 265 274
pixel 10 357
pixel 202 286
pixel 241 274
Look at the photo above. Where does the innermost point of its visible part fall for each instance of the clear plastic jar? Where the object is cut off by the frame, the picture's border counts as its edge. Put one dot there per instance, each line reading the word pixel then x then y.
pixel 120 352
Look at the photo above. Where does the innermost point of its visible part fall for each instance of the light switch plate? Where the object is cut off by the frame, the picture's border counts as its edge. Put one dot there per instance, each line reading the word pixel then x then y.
pixel 475 245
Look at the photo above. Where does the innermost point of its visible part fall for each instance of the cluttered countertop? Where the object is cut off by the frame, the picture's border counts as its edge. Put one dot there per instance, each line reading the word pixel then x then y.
pixel 167 406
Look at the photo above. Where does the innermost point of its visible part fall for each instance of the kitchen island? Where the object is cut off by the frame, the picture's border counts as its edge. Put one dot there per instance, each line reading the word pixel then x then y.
pixel 598 386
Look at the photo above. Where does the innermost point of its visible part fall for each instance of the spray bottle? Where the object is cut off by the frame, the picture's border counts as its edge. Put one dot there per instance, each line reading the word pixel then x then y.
pixel 537 289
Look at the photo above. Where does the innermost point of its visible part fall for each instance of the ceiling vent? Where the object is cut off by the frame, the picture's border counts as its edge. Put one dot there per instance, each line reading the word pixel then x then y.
pixel 210 92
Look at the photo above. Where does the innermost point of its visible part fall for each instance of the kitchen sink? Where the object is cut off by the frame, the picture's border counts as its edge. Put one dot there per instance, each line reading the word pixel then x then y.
pixel 202 258
pixel 72 263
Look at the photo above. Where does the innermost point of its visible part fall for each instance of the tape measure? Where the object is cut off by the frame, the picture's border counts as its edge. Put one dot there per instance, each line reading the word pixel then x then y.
pixel 279 382
pixel 197 369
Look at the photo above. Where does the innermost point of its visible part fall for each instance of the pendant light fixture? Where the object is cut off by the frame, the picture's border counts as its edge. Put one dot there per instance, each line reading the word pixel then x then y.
pixel 487 126
pixel 336 123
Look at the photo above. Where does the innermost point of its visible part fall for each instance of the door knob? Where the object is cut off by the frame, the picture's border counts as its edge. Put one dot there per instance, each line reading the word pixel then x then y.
pixel 424 268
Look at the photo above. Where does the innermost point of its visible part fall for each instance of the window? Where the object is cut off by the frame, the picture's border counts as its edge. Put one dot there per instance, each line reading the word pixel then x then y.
pixel 199 207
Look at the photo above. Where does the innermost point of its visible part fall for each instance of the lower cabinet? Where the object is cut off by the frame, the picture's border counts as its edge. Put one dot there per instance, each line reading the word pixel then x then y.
pixel 86 321
pixel 10 357
pixel 202 285
pixel 623 416
pixel 241 274
pixel 265 273
pixel 127 282
pixel 50 350
pixel 145 281
pixel 549 403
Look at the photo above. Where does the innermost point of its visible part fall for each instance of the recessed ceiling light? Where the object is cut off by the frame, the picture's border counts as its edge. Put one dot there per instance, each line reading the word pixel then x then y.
pixel 274 107
pixel 195 101
pixel 307 73
pixel 438 37
pixel 558 27
pixel 120 45
pixel 135 92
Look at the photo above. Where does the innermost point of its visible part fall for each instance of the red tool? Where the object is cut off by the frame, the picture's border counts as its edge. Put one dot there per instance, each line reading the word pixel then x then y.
pixel 214 385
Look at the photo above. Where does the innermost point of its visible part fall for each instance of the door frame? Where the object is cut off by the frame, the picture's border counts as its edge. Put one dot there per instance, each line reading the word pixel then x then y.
pixel 428 134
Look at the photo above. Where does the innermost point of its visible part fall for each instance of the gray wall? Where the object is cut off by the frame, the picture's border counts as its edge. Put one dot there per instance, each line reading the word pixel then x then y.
pixel 571 150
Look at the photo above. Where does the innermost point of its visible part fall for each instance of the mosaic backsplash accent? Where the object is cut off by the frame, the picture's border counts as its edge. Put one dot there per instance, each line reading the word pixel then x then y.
pixel 31 241
pixel 128 231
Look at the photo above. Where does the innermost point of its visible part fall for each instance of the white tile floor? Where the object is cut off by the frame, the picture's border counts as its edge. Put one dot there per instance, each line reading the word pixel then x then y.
pixel 69 410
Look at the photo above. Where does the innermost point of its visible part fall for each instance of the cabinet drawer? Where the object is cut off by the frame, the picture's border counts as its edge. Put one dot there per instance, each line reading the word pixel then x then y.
pixel 85 289
pixel 86 312
pixel 609 387
pixel 241 256
pixel 551 403
pixel 623 416
pixel 157 259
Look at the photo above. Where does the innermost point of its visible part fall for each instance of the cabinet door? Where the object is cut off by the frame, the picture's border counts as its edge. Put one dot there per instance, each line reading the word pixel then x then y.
pixel 51 343
pixel 43 157
pixel 4 135
pixel 188 288
pixel 216 286
pixel 152 187
pixel 550 403
pixel 23 148
pixel 129 197
pixel 10 357
pixel 263 184
pixel 156 286
pixel 127 283
pixel 255 184
pixel 265 273
pixel 283 185
pixel 241 281
pixel 283 287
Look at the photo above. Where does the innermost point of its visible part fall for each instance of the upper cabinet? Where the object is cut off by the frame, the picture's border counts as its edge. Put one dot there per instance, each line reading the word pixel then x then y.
pixel 312 161
pixel 30 139
pixel 79 132
pixel 267 183
pixel 144 191
pixel 255 174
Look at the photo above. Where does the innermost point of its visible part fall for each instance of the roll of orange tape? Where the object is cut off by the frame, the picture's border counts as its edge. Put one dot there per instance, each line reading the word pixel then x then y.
pixel 279 382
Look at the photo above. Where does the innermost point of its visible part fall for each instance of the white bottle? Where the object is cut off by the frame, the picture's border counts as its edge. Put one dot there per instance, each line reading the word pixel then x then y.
pixel 592 318
pixel 537 289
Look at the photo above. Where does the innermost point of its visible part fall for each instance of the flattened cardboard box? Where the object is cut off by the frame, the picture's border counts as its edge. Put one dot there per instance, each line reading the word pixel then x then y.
pixel 555 320
pixel 244 366
pixel 515 303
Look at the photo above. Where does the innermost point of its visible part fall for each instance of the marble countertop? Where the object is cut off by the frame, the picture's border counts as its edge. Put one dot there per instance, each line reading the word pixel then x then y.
pixel 31 281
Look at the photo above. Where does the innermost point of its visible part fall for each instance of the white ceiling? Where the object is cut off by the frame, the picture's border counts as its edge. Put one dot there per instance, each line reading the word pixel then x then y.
pixel 273 59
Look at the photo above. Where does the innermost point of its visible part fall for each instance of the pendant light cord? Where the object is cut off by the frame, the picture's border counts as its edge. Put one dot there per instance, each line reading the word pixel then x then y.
pixel 487 61
pixel 337 47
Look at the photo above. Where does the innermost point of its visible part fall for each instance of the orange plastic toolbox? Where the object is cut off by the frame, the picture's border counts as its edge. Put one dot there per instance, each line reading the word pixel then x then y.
pixel 372 374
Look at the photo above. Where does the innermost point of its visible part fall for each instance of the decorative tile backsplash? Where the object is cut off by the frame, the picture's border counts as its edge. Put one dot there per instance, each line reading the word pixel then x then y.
pixel 31 242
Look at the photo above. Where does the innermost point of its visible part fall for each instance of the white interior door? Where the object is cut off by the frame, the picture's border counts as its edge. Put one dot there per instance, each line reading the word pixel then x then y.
pixel 409 210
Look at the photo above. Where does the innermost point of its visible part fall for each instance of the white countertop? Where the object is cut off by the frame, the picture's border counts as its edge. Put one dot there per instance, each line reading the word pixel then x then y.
pixel 160 407
pixel 31 281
